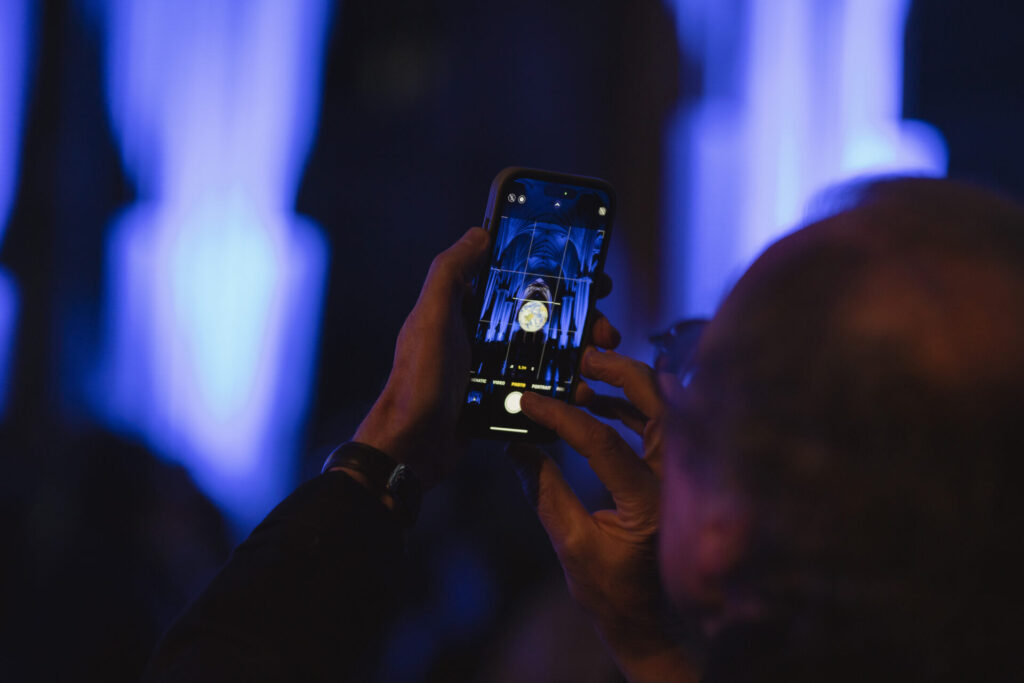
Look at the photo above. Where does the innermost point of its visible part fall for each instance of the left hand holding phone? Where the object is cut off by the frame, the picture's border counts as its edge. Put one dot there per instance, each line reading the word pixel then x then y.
pixel 414 418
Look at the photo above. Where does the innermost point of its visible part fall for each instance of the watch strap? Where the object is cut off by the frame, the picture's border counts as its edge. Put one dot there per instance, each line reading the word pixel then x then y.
pixel 383 474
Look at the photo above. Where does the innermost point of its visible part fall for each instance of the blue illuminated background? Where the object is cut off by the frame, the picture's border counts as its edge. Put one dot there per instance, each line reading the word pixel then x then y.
pixel 215 214
pixel 215 283
pixel 799 95
pixel 16 25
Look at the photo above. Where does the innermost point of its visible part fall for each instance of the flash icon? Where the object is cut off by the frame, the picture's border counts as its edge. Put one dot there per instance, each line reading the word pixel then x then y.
pixel 601 211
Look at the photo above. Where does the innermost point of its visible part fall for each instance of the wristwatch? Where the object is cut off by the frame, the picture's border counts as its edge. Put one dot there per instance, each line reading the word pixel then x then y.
pixel 383 474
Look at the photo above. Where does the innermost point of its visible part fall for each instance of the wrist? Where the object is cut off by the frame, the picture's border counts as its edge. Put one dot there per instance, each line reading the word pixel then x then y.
pixel 383 429
pixel 380 441
pixel 386 499
pixel 648 649
pixel 658 659
pixel 669 666
pixel 392 482
pixel 387 428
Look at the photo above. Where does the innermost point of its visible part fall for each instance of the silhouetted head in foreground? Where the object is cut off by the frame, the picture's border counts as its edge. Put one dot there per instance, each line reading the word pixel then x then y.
pixel 844 499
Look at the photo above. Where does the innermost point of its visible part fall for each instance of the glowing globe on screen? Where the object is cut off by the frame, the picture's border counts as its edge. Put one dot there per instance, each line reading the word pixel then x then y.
pixel 533 316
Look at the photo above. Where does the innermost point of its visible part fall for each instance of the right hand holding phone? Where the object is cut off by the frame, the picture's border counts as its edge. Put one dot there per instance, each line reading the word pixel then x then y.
pixel 610 557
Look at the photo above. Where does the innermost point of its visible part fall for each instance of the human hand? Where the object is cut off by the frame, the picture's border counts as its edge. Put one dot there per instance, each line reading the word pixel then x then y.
pixel 610 557
pixel 414 418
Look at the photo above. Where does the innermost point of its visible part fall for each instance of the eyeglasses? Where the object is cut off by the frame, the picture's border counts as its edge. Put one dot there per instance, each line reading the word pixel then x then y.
pixel 675 348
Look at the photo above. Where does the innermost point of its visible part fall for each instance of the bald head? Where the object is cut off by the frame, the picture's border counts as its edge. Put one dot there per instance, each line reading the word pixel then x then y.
pixel 859 389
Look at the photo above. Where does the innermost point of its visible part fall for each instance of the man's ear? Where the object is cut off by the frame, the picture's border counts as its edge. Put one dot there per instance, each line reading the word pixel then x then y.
pixel 722 538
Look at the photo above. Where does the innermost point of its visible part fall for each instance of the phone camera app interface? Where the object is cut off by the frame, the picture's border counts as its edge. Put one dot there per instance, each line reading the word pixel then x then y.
pixel 547 247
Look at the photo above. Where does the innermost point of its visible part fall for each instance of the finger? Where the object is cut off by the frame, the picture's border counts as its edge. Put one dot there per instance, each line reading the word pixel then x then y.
pixel 672 390
pixel 453 267
pixel 583 394
pixel 615 408
pixel 602 285
pixel 604 333
pixel 560 511
pixel 662 434
pixel 625 476
pixel 635 378
pixel 654 447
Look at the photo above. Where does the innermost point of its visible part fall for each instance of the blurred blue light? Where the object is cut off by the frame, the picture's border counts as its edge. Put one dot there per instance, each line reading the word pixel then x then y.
pixel 411 645
pixel 8 316
pixel 468 593
pixel 215 285
pixel 797 95
pixel 15 33
pixel 463 603
pixel 16 21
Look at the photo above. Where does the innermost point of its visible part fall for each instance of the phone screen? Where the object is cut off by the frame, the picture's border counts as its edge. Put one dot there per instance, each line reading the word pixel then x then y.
pixel 549 240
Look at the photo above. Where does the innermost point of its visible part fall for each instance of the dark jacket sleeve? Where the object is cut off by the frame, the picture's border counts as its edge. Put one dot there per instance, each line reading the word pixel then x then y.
pixel 301 599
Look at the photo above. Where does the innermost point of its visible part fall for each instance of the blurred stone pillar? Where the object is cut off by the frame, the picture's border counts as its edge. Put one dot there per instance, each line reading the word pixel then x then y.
pixel 215 284
pixel 16 29
pixel 797 95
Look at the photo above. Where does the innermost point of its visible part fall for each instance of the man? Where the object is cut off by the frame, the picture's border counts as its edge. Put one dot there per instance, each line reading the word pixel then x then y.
pixel 836 480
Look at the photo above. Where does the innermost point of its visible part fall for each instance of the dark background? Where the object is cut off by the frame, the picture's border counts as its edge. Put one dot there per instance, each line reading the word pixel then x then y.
pixel 423 103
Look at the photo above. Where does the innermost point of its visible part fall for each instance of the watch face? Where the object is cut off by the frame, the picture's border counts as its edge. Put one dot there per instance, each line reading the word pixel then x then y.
pixel 533 316
pixel 397 477
pixel 403 482
pixel 405 488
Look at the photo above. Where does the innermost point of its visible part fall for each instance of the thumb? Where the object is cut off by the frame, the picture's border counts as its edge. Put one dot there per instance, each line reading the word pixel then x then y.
pixel 561 513
pixel 458 263
pixel 671 390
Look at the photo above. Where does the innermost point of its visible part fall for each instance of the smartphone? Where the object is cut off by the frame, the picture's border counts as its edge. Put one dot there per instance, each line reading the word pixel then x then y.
pixel 533 301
